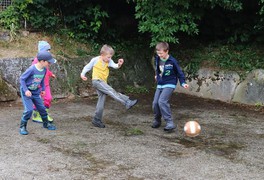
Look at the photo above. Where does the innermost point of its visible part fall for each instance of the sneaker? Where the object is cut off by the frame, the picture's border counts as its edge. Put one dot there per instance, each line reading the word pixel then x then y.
pixel 98 123
pixel 169 129
pixel 156 124
pixel 49 126
pixel 131 103
pixel 169 126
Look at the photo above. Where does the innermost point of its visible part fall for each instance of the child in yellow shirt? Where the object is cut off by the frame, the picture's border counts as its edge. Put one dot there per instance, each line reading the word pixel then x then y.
pixel 100 67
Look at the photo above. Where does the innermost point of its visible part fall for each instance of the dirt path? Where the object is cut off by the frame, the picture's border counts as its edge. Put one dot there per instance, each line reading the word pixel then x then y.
pixel 229 147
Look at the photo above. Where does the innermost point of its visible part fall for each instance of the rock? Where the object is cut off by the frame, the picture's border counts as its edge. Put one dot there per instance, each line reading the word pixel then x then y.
pixel 11 69
pixel 24 33
pixel 7 92
pixel 4 36
pixel 251 90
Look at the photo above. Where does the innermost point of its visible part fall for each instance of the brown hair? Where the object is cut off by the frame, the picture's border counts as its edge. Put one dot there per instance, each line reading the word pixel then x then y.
pixel 162 46
pixel 107 49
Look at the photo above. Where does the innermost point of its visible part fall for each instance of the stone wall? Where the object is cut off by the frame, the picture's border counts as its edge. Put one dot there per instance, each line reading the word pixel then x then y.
pixel 219 85
pixel 227 86
pixel 68 81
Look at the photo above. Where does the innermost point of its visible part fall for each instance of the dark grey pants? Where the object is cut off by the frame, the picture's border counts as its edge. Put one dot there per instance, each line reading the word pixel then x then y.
pixel 104 89
pixel 161 105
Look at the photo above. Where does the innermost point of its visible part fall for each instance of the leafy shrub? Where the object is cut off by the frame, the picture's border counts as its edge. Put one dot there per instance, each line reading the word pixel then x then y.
pixel 136 90
pixel 240 58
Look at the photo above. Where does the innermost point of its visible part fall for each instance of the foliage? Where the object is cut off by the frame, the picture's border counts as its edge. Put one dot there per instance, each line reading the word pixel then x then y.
pixel 192 67
pixel 159 20
pixel 83 23
pixel 240 58
pixel 261 2
pixel 260 24
pixel 235 5
pixel 42 16
pixel 12 33
pixel 11 17
pixel 259 106
pixel 164 19
pixel 136 90
pixel 22 7
pixel 91 23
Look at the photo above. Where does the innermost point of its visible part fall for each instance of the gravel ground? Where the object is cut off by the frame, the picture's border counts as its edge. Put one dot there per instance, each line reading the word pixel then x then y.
pixel 230 145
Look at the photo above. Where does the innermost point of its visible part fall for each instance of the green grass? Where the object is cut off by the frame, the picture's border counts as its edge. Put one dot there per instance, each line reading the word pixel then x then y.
pixel 133 132
pixel 136 90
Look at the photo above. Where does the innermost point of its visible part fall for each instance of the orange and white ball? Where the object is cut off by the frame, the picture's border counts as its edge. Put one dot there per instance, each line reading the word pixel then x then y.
pixel 192 128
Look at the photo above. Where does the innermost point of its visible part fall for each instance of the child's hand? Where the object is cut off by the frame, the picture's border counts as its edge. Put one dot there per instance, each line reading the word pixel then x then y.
pixel 28 93
pixel 53 75
pixel 120 62
pixel 42 93
pixel 84 78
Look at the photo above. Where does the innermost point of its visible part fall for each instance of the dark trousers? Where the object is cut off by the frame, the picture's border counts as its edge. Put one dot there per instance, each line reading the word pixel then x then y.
pixel 28 103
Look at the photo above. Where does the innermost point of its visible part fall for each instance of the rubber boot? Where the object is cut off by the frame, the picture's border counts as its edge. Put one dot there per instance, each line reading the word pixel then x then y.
pixel 36 117
pixel 169 125
pixel 48 125
pixel 50 119
pixel 156 123
pixel 98 123
pixel 23 128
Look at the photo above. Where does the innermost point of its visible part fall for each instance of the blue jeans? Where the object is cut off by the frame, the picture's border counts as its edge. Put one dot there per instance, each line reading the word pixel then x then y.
pixel 161 106
pixel 28 105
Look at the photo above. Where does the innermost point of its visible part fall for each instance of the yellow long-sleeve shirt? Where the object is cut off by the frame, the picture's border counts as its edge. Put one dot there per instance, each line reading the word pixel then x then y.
pixel 99 67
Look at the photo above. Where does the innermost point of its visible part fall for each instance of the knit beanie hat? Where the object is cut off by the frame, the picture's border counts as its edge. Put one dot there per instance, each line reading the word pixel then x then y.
pixel 43 46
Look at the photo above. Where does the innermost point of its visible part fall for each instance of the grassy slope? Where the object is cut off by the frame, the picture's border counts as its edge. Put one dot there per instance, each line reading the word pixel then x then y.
pixel 28 46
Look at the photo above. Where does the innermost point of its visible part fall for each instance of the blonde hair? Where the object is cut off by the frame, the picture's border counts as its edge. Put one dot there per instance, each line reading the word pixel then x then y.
pixel 162 46
pixel 107 49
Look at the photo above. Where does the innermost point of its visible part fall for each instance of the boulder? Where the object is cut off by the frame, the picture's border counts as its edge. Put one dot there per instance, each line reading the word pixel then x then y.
pixel 12 68
pixel 251 90
pixel 7 92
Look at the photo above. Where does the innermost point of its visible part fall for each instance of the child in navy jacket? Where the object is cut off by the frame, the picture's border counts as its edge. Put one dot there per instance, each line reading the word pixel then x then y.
pixel 168 73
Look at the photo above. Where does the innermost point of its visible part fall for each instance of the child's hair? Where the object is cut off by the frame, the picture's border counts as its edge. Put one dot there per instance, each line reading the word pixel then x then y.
pixel 107 49
pixel 162 46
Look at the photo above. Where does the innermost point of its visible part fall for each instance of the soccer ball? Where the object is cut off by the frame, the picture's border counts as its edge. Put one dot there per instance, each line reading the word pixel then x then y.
pixel 192 128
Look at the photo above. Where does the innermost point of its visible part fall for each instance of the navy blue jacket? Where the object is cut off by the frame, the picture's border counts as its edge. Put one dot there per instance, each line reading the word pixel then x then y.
pixel 171 74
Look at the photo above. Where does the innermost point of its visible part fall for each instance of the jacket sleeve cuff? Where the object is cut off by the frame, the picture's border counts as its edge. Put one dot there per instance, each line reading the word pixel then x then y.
pixel 182 84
